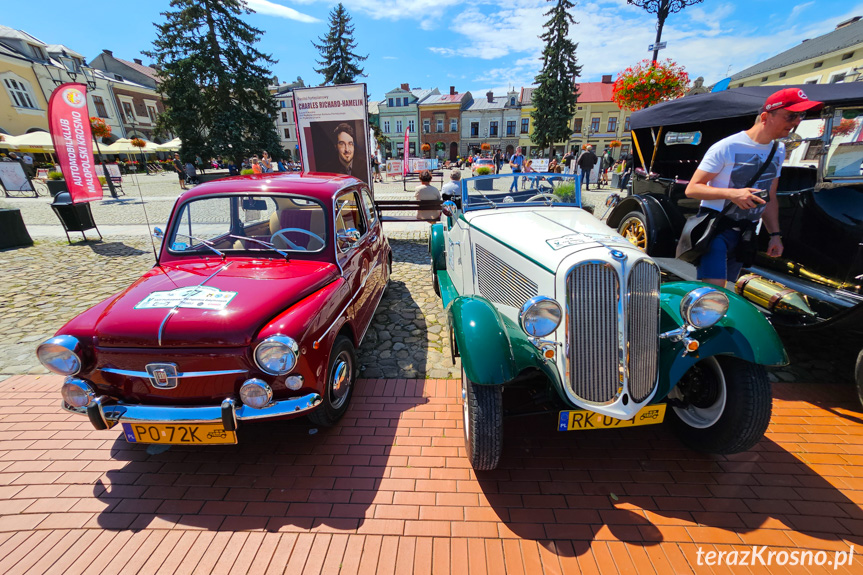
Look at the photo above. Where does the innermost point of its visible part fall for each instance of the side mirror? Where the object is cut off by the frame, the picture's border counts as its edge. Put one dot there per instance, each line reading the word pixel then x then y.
pixel 612 200
pixel 158 233
pixel 448 208
pixel 348 239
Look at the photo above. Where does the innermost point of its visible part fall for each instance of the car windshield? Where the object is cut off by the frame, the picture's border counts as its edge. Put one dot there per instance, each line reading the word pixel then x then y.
pixel 521 188
pixel 275 224
pixel 845 151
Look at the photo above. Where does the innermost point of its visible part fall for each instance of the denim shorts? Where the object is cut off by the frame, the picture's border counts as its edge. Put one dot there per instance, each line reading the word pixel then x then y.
pixel 718 261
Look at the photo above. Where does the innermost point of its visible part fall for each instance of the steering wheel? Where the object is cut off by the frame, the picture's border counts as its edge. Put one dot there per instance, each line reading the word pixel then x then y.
pixel 550 197
pixel 281 234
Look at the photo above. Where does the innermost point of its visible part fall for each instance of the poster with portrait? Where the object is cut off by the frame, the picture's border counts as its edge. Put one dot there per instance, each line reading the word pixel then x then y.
pixel 332 123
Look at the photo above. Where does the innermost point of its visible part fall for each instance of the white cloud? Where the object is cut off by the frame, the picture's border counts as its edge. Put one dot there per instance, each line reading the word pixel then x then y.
pixel 273 9
pixel 795 12
pixel 390 58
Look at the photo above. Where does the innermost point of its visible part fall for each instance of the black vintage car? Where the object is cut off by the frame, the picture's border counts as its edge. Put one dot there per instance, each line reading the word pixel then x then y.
pixel 816 287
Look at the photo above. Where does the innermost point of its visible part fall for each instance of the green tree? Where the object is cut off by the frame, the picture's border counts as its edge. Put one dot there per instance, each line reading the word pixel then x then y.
pixel 339 63
pixel 214 82
pixel 555 96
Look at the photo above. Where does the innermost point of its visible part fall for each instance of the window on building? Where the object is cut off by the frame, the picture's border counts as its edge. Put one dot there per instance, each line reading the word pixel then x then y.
pixel 811 82
pixel 398 102
pixel 764 78
pixel 412 126
pixel 847 56
pixel 474 129
pixel 782 74
pixel 281 103
pixel 99 103
pixel 740 85
pixel 287 133
pixel 127 110
pixel 453 124
pixel 837 78
pixel 426 126
pixel 439 127
pixel 626 127
pixel 510 127
pixel 612 124
pixel 390 102
pixel 152 113
pixel 19 93
pixel 525 125
pixel 818 64
pixel 492 128
pixel 576 125
pixel 284 117
pixel 594 123
pixel 118 77
pixel 38 52
pixel 405 101
pixel 399 127
pixel 386 126
pixel 624 149
pixel 512 101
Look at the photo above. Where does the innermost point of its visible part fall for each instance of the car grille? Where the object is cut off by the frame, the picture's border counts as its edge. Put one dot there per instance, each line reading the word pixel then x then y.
pixel 605 353
pixel 501 283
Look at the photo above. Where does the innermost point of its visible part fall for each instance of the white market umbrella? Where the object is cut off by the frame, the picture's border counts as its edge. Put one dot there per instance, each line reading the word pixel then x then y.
pixel 124 146
pixel 171 146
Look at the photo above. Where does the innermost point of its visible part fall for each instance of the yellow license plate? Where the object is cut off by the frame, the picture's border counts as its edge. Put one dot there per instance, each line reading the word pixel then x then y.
pixel 579 420
pixel 178 434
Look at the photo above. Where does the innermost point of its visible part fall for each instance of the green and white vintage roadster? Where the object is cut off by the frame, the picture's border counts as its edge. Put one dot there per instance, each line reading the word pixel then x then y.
pixel 541 295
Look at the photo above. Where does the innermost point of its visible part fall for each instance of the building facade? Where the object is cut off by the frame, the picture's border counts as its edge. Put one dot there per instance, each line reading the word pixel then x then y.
pixel 286 127
pixel 440 116
pixel 399 111
pixel 493 120
pixel 832 58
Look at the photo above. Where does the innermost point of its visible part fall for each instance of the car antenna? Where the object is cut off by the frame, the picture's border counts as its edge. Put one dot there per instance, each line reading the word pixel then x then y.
pixel 147 220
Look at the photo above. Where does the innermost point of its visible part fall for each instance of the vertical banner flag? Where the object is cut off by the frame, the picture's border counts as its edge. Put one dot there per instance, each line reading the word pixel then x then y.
pixel 69 125
pixel 407 152
pixel 332 123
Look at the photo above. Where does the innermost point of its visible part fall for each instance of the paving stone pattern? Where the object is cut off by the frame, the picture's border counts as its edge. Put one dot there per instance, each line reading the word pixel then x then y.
pixel 389 490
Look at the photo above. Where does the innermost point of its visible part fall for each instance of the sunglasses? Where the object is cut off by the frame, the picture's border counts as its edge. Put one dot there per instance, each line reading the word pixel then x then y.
pixel 791 116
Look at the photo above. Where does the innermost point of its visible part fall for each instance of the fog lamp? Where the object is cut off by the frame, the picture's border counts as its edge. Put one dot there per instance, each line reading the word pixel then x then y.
pixel 256 393
pixel 77 392
pixel 294 382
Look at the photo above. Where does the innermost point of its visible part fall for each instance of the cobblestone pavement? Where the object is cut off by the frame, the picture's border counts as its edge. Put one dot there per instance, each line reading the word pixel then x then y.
pixel 45 285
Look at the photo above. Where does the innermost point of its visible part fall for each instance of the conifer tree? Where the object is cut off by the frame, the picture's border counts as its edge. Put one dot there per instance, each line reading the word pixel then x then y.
pixel 555 96
pixel 214 82
pixel 339 63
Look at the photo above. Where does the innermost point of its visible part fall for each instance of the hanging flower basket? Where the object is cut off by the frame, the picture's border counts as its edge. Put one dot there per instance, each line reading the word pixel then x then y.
pixel 615 144
pixel 138 143
pixel 485 146
pixel 647 84
pixel 99 127
pixel 425 147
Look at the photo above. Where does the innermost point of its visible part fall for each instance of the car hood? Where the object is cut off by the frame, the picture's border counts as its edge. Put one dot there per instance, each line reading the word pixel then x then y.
pixel 548 235
pixel 216 304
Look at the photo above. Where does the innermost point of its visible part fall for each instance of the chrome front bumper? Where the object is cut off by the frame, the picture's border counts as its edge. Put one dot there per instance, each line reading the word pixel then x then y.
pixel 105 413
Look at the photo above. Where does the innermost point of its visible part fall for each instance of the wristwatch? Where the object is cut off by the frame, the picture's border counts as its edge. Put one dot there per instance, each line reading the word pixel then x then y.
pixel 775 234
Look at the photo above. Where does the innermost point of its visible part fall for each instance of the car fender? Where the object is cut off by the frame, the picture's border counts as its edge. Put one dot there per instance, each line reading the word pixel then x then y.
pixel 437 247
pixel 483 340
pixel 661 234
pixel 743 332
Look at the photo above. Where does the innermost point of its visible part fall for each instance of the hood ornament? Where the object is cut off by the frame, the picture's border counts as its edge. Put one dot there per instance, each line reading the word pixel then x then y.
pixel 618 255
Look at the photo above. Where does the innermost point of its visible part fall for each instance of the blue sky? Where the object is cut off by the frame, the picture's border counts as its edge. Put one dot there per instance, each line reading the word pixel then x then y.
pixel 478 45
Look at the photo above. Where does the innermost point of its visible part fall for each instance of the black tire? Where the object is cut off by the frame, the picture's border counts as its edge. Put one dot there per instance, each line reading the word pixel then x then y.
pixel 335 398
pixel 483 423
pixel 435 282
pixel 858 376
pixel 633 226
pixel 707 424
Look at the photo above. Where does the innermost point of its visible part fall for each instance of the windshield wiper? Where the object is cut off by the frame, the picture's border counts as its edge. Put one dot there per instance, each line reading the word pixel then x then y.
pixel 207 243
pixel 262 242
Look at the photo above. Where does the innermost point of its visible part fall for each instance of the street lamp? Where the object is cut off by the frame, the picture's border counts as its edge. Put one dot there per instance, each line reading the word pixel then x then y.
pixel 131 121
pixel 662 8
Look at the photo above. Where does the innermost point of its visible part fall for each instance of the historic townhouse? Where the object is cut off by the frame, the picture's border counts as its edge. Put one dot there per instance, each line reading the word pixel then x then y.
pixel 398 112
pixel 492 120
pixel 285 125
pixel 439 123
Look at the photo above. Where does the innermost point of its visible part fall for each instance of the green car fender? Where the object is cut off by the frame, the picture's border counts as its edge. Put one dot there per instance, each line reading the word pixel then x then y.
pixel 437 247
pixel 743 333
pixel 493 349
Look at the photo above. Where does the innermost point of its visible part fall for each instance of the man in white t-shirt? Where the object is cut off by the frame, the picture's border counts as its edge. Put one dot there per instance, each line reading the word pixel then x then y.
pixel 726 170
pixel 452 189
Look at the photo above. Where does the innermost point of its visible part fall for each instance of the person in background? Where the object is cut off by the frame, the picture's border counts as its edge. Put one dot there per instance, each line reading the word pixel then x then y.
pixel 256 166
pixel 266 163
pixel 426 191
pixel 452 188
pixel 516 163
pixel 200 163
pixel 191 176
pixel 586 162
pixel 280 166
pixel 181 172
pixel 628 166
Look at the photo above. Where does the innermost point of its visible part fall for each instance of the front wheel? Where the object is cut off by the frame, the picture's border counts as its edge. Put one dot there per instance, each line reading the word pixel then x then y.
pixel 633 227
pixel 339 386
pixel 483 423
pixel 858 376
pixel 723 405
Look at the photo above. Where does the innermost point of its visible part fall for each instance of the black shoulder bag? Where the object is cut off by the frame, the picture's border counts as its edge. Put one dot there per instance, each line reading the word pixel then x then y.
pixel 700 229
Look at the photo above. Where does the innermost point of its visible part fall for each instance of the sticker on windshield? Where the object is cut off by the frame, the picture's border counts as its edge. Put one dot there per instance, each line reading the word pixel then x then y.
pixel 583 238
pixel 179 246
pixel 194 297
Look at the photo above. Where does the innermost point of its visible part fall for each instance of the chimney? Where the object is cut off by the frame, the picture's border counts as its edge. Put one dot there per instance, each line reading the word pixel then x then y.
pixel 848 22
pixel 406 87
pixel 606 79
pixel 138 61
pixel 452 91
pixel 490 96
pixel 108 52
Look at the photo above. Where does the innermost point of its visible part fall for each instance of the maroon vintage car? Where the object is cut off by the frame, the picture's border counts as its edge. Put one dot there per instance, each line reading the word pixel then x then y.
pixel 263 290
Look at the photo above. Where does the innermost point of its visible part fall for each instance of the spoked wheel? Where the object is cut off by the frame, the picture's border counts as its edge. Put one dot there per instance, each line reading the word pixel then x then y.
pixel 483 423
pixel 339 386
pixel 724 405
pixel 634 228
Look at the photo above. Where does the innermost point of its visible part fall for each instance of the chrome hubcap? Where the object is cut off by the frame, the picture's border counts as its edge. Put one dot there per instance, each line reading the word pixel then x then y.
pixel 699 413
pixel 341 381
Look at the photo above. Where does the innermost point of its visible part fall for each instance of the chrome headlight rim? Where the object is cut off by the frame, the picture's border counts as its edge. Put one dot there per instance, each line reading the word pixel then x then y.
pixel 60 343
pixel 288 343
pixel 532 305
pixel 261 385
pixel 690 303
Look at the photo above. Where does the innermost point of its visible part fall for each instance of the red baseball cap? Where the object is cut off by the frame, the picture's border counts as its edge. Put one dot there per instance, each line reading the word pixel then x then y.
pixel 792 99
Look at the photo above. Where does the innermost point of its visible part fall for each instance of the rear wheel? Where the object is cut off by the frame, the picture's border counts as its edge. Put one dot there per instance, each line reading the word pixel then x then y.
pixel 339 387
pixel 633 227
pixel 724 405
pixel 483 423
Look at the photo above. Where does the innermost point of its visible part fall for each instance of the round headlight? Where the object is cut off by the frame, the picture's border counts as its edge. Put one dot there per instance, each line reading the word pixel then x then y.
pixel 76 392
pixel 256 393
pixel 703 307
pixel 277 355
pixel 539 316
pixel 61 354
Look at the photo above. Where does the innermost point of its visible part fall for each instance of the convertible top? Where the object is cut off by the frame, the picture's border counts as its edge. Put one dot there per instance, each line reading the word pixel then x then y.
pixel 737 102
